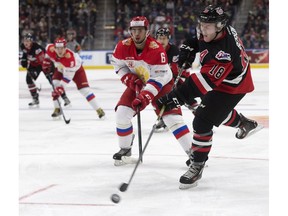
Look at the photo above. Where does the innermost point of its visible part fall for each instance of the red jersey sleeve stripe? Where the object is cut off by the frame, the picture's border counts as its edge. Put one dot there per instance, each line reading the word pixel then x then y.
pixel 201 83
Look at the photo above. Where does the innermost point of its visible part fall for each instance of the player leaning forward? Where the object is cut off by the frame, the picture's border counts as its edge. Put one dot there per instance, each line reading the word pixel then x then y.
pixel 141 62
pixel 68 66
pixel 224 79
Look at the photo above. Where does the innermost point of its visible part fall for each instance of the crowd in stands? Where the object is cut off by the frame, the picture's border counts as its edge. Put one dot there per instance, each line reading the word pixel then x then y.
pixel 178 15
pixel 49 19
pixel 181 18
pixel 255 33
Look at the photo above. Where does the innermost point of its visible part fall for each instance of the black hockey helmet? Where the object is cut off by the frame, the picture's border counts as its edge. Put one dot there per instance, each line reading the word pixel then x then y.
pixel 28 36
pixel 213 14
pixel 163 32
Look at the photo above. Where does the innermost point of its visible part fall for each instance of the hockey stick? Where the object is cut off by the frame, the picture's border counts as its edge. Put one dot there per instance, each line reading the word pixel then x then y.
pixel 61 109
pixel 139 128
pixel 124 186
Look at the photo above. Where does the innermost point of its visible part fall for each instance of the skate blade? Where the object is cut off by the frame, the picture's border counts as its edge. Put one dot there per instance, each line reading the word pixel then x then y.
pixel 187 186
pixel 161 130
pixel 36 106
pixel 57 118
pixel 125 160
pixel 68 105
pixel 258 128
pixel 102 117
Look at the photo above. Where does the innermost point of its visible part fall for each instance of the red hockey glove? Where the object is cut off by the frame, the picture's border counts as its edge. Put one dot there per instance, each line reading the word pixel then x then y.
pixel 47 66
pixel 142 100
pixel 131 80
pixel 59 90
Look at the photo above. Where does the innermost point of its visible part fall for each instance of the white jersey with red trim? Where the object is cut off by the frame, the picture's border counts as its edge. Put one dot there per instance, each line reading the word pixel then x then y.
pixel 151 65
pixel 68 65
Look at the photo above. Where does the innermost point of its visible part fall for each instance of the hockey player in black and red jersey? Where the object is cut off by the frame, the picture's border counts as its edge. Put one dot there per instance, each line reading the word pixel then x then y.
pixel 32 58
pixel 224 79
pixel 163 36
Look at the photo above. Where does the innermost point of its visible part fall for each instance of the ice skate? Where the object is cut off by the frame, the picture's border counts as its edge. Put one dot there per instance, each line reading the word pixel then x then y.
pixel 191 177
pixel 67 102
pixel 160 126
pixel 35 101
pixel 247 127
pixel 123 157
pixel 57 113
pixel 100 113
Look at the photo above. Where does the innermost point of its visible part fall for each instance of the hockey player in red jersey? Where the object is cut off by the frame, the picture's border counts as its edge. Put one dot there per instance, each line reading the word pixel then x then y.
pixel 224 79
pixel 32 58
pixel 163 36
pixel 68 66
pixel 141 63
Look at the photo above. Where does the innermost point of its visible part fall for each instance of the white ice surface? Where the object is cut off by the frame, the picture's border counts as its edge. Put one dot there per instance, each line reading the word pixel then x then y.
pixel 67 170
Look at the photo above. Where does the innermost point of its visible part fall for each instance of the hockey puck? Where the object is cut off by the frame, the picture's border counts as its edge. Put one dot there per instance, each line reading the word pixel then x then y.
pixel 115 198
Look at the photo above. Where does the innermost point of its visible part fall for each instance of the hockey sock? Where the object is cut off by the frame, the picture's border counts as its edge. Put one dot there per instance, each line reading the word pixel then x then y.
pixel 33 89
pixel 90 97
pixel 201 146
pixel 180 130
pixel 232 120
pixel 124 127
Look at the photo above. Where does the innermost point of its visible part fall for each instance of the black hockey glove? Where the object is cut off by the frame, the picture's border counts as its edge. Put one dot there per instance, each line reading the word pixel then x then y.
pixel 187 52
pixel 187 56
pixel 24 63
pixel 170 101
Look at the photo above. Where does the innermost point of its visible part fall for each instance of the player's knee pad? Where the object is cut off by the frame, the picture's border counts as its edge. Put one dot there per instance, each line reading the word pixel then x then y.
pixel 124 115
pixel 201 125
pixel 56 83
pixel 85 91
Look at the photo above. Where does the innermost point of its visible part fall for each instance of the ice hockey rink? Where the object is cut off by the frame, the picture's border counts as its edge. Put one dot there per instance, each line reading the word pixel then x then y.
pixel 67 169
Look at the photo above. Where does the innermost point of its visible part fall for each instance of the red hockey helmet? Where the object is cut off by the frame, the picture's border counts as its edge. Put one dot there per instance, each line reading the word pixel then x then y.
pixel 60 42
pixel 139 21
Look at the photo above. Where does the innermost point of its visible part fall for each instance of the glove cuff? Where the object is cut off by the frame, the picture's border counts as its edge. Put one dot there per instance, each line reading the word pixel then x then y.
pixel 148 95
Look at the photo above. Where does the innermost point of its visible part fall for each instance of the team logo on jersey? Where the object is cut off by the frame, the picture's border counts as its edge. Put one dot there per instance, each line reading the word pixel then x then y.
pixel 37 51
pixel 127 42
pixel 221 55
pixel 67 55
pixel 52 49
pixel 153 45
pixel 142 73
pixel 130 64
pixel 59 67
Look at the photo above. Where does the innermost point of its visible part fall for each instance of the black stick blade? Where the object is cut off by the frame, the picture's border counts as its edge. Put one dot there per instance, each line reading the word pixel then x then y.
pixel 67 121
pixel 123 187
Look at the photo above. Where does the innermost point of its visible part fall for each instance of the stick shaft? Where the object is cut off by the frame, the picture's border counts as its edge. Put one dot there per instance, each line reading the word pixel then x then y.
pixel 139 128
